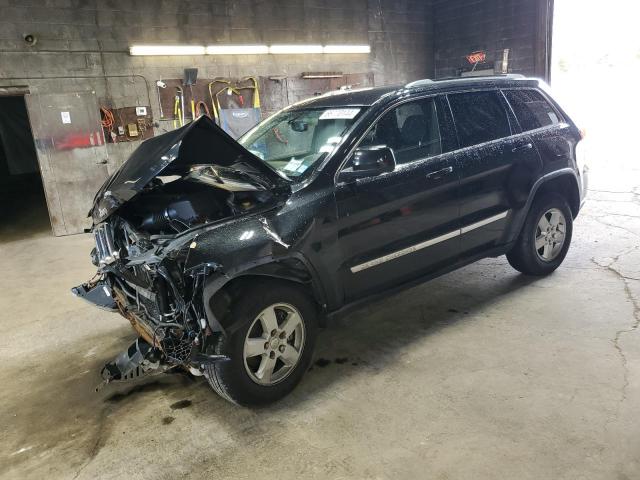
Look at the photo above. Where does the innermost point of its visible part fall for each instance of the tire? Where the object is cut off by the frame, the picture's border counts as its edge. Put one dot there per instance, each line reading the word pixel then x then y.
pixel 524 256
pixel 237 380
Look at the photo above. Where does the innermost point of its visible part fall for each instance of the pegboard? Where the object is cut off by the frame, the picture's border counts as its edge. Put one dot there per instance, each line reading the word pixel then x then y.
pixel 125 116
pixel 275 92
pixel 200 92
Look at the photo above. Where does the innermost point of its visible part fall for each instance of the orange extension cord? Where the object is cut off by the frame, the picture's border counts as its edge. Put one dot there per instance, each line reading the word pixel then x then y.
pixel 107 118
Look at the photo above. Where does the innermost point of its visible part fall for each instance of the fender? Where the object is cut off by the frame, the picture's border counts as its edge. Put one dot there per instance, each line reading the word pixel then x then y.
pixel 294 267
pixel 519 219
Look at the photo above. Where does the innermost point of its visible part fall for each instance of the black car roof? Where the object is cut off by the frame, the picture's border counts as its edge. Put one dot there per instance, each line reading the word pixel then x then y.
pixel 356 97
pixel 369 96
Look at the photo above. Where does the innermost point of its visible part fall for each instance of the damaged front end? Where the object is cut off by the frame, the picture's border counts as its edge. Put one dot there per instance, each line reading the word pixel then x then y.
pixel 160 298
pixel 147 219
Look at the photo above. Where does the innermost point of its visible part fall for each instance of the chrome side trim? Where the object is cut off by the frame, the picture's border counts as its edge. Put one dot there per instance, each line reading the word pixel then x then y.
pixel 405 251
pixel 427 243
pixel 484 222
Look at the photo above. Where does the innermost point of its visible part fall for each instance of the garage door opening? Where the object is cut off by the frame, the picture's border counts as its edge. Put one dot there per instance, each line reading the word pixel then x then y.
pixel 595 69
pixel 23 208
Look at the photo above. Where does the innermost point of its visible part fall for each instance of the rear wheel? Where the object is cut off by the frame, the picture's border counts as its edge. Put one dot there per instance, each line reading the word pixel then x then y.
pixel 545 237
pixel 272 348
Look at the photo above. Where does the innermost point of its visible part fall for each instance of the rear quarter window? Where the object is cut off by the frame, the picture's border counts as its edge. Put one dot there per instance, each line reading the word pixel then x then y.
pixel 479 117
pixel 531 108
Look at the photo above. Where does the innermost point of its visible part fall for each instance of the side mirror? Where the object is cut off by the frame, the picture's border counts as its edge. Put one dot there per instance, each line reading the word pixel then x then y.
pixel 369 162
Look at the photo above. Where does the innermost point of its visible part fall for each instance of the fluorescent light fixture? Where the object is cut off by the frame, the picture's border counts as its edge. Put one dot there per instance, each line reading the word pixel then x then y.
pixel 170 50
pixel 295 49
pixel 346 49
pixel 236 49
pixel 322 75
pixel 166 50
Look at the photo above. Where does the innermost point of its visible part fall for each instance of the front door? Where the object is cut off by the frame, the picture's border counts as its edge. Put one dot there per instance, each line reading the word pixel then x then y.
pixel 400 225
pixel 71 153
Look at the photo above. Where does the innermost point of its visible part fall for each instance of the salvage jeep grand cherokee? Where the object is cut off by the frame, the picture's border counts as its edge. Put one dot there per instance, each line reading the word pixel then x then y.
pixel 225 256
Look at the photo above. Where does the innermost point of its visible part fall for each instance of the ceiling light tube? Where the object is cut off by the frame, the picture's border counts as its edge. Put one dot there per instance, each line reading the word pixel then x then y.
pixel 294 49
pixel 346 49
pixel 322 75
pixel 166 50
pixel 236 49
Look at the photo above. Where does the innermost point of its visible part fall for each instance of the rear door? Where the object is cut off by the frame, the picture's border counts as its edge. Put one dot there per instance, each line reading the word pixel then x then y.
pixel 400 225
pixel 71 153
pixel 545 125
pixel 494 159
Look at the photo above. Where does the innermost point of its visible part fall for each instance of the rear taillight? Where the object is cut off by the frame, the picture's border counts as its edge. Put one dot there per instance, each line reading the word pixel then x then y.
pixel 583 133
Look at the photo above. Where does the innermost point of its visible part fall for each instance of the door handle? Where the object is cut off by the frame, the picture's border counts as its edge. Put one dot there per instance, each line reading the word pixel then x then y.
pixel 519 148
pixel 101 162
pixel 439 173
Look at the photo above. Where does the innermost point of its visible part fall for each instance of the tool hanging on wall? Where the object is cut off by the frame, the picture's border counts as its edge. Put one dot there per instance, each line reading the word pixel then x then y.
pixel 190 77
pixel 202 109
pixel 108 121
pixel 254 87
pixel 178 108
pixel 160 84
pixel 229 91
pixel 212 96
pixel 237 121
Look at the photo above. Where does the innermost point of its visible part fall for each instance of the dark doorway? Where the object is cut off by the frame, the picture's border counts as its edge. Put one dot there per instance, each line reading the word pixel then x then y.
pixel 23 208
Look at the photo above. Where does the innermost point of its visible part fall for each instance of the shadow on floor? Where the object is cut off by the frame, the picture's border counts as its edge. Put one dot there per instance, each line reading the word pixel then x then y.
pixel 369 338
pixel 63 409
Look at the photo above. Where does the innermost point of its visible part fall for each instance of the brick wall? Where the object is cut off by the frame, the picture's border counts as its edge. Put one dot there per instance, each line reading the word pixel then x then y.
pixel 464 26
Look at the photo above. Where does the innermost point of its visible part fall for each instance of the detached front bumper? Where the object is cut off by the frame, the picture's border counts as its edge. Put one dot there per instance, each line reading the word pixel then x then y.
pixel 106 297
pixel 160 346
pixel 98 294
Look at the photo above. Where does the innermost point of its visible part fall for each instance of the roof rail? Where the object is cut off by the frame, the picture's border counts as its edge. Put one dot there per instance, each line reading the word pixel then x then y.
pixel 514 76
pixel 428 81
pixel 419 83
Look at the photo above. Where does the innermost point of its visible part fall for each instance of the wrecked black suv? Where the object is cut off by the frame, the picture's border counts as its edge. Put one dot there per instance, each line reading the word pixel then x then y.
pixel 226 256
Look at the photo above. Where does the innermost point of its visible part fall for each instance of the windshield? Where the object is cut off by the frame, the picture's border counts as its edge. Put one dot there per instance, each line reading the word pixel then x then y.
pixel 294 141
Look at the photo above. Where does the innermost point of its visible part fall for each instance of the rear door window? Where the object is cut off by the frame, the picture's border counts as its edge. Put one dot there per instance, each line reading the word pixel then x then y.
pixel 479 117
pixel 531 108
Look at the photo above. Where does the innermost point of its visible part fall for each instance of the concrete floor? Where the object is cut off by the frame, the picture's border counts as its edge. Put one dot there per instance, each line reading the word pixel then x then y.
pixel 481 374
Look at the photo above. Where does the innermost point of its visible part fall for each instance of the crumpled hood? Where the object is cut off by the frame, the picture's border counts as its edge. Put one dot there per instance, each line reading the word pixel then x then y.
pixel 173 153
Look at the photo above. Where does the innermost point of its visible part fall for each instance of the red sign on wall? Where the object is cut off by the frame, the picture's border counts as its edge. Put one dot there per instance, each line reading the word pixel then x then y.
pixel 476 57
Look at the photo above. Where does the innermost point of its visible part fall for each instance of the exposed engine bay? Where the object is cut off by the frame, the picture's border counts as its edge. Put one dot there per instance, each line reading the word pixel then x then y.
pixel 207 193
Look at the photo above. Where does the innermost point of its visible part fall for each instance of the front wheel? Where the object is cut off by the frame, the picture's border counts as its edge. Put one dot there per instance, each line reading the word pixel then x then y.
pixel 271 350
pixel 545 237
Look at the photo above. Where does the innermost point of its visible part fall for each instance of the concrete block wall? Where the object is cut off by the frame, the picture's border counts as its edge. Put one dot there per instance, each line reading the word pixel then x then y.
pixel 83 44
pixel 464 26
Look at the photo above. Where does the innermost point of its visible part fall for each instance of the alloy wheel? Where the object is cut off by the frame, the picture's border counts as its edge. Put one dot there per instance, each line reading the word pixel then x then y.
pixel 550 234
pixel 273 344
